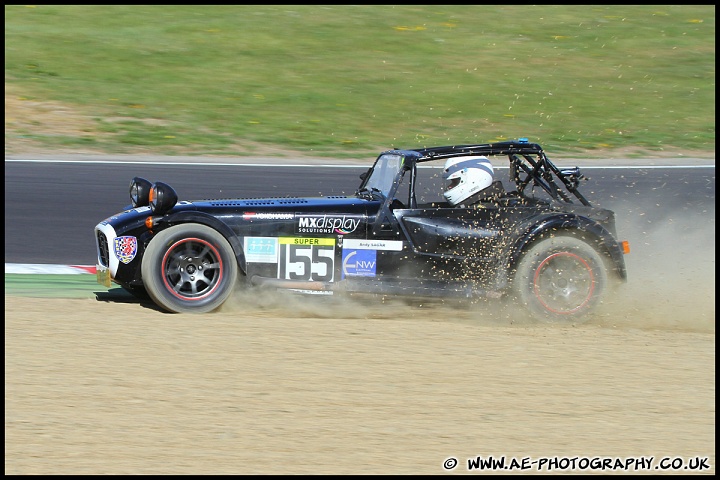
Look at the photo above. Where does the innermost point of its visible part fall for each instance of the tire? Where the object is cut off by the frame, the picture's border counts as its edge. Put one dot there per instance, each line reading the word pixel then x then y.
pixel 189 268
pixel 560 279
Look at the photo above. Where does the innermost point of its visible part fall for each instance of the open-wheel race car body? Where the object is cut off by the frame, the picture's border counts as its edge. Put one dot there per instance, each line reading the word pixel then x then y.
pixel 534 239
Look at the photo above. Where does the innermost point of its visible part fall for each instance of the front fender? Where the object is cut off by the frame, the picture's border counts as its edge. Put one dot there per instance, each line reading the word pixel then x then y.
pixel 212 222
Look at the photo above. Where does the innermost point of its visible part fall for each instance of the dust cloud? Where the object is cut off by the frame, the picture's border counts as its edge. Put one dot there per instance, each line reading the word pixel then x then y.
pixel 671 274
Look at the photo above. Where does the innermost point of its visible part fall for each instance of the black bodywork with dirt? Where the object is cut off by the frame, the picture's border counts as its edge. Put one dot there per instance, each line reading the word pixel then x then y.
pixel 537 241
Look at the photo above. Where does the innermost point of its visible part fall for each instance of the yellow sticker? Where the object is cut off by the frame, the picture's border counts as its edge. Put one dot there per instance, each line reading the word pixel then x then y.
pixel 305 241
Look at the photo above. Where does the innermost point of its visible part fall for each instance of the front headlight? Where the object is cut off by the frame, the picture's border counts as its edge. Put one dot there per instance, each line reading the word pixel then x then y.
pixel 162 198
pixel 140 192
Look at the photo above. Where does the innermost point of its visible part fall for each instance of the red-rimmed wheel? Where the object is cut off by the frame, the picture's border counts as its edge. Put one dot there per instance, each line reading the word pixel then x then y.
pixel 560 279
pixel 189 268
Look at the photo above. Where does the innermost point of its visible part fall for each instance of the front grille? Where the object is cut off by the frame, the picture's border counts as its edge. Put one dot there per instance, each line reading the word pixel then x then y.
pixel 103 249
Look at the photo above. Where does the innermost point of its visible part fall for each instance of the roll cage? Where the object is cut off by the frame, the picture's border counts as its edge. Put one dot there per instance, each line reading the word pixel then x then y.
pixel 529 166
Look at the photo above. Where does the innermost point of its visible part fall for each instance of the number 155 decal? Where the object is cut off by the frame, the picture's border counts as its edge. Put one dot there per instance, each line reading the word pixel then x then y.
pixel 307 259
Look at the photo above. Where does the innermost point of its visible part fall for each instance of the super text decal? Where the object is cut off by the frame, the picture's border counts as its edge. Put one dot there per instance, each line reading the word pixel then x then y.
pixel 333 224
pixel 304 258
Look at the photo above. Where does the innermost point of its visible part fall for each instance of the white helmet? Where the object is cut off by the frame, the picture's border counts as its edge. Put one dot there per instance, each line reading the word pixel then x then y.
pixel 465 176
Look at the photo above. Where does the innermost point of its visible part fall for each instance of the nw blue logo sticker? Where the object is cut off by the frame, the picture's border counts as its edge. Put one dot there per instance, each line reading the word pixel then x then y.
pixel 359 263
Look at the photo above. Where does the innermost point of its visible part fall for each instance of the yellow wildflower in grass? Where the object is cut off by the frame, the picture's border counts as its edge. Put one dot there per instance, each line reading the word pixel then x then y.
pixel 402 28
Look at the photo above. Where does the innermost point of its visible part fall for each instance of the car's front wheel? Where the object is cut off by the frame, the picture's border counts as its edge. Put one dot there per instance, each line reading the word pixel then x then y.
pixel 189 268
pixel 560 279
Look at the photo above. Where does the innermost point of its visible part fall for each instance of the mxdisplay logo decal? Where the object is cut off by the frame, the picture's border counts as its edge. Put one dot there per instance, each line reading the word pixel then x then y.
pixel 125 248
pixel 359 263
pixel 260 249
pixel 339 224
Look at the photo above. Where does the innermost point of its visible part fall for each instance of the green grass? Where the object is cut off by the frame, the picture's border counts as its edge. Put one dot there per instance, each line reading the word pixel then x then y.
pixel 44 286
pixel 345 80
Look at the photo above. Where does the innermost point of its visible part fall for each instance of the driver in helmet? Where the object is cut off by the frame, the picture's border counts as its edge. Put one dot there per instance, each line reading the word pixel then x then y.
pixel 466 179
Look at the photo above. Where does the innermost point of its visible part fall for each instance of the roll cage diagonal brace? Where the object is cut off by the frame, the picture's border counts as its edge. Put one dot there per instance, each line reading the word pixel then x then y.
pixel 541 171
pixel 542 174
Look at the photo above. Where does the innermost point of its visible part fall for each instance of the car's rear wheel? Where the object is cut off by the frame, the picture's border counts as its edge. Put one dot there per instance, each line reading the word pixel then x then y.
pixel 560 279
pixel 189 268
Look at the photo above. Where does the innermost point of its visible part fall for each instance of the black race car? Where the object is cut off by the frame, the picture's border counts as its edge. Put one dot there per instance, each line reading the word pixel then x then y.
pixel 534 239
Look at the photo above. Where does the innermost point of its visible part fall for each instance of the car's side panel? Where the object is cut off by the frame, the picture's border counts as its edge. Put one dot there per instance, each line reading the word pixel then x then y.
pixel 460 232
pixel 460 243
pixel 300 242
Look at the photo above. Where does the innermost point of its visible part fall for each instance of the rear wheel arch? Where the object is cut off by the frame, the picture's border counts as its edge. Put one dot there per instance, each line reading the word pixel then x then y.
pixel 592 233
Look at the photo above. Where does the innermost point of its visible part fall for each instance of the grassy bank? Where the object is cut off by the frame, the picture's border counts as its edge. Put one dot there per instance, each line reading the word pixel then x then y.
pixel 350 80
